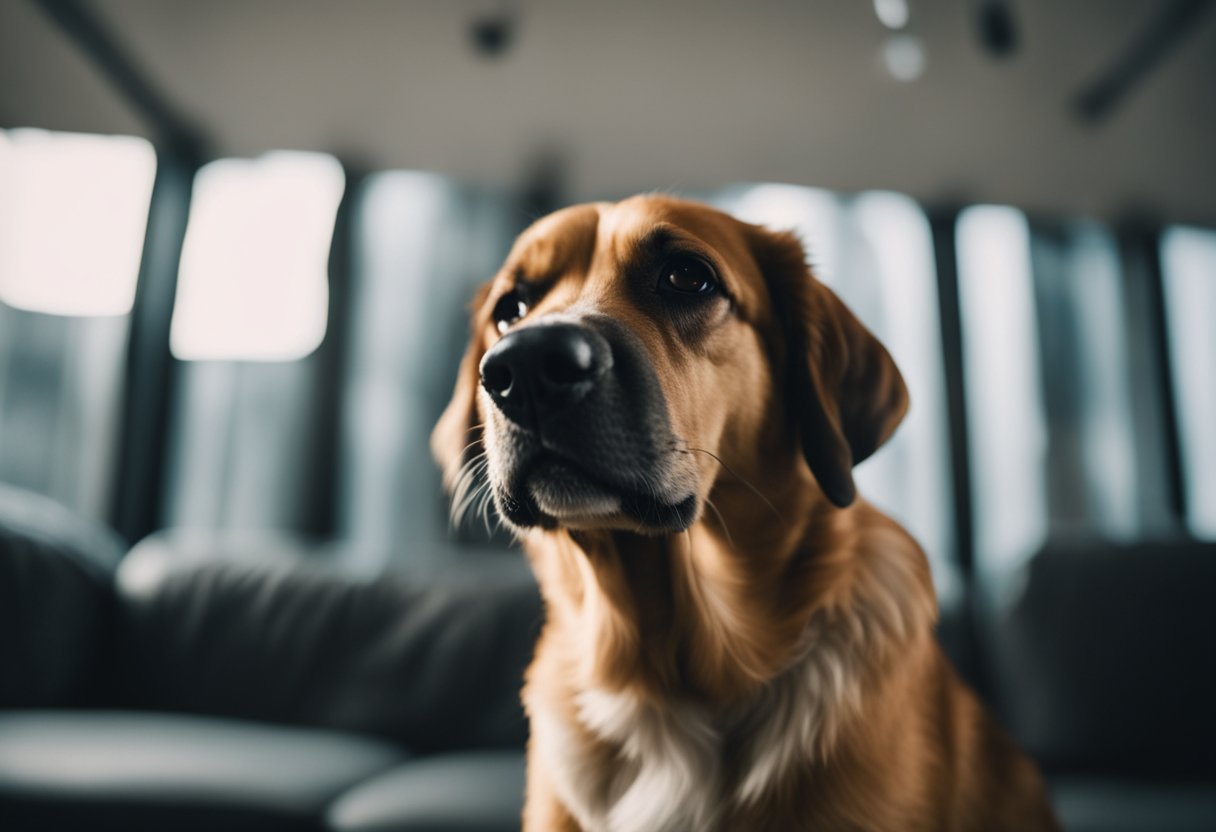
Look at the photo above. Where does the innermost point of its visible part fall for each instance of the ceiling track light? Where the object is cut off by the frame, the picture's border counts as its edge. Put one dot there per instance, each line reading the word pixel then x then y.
pixel 996 25
pixel 902 53
pixel 892 13
pixel 493 27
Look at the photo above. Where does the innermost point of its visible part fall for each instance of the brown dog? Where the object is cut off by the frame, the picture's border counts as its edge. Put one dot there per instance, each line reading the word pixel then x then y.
pixel 666 407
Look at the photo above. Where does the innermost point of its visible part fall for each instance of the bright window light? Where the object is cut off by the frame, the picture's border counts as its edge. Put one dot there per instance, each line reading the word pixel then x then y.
pixel 73 211
pixel 811 213
pixel 1189 269
pixel 253 284
pixel 910 478
pixel 1008 439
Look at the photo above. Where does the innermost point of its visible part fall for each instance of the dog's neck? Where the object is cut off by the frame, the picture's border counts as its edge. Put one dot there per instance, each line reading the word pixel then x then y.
pixel 712 614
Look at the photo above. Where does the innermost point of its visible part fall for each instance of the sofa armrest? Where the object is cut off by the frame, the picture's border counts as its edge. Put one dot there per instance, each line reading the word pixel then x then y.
pixel 472 791
pixel 111 770
pixel 56 601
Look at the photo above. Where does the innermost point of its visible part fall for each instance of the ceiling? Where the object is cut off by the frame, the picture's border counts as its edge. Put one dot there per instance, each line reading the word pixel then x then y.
pixel 638 95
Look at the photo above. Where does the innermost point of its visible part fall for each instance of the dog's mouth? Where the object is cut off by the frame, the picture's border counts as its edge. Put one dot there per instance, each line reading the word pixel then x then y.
pixel 553 491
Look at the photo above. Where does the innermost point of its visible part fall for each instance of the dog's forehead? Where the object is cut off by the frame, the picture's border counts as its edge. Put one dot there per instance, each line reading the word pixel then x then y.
pixel 634 217
pixel 558 243
pixel 569 241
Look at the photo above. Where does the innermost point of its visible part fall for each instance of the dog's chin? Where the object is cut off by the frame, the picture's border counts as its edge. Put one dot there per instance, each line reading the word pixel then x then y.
pixel 555 494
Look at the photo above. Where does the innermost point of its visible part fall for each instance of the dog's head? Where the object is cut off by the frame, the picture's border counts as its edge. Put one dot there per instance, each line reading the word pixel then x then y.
pixel 626 354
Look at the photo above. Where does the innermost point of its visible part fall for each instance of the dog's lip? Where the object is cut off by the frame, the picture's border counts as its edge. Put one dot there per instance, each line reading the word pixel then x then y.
pixel 598 500
pixel 566 491
pixel 548 468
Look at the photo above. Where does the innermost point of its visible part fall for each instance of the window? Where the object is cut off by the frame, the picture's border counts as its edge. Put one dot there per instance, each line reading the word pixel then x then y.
pixel 73 213
pixel 423 244
pixel 1103 385
pixel 73 210
pixel 262 444
pixel 1091 481
pixel 1189 271
pixel 246 447
pixel 1008 432
pixel 254 281
pixel 1049 384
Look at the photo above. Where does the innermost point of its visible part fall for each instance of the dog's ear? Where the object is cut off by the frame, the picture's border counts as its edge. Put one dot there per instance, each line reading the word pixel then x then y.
pixel 457 432
pixel 846 394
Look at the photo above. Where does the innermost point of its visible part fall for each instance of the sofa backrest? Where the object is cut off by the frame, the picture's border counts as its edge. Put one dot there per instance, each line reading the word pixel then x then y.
pixel 434 665
pixel 1106 661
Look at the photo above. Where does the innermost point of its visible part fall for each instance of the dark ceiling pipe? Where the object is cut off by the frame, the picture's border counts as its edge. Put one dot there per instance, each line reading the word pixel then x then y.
pixel 1099 99
pixel 84 27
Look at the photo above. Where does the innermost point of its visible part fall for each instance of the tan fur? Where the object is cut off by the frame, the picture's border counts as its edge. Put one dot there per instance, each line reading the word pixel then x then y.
pixel 774 667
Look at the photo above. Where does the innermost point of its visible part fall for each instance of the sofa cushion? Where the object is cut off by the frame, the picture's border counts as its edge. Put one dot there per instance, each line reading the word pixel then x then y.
pixel 117 770
pixel 465 792
pixel 1088 804
pixel 434 666
pixel 55 601
pixel 1105 659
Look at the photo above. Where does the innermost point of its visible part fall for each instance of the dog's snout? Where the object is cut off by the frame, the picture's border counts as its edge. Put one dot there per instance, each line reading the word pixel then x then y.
pixel 542 369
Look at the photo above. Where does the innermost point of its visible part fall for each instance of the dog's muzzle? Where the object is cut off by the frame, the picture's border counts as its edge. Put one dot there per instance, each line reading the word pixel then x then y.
pixel 582 429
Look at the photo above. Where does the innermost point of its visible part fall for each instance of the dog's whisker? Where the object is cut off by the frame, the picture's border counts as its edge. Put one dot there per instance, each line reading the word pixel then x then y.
pixel 486 506
pixel 475 442
pixel 721 521
pixel 477 505
pixel 469 483
pixel 467 475
pixel 460 510
pixel 469 470
pixel 487 503
pixel 740 478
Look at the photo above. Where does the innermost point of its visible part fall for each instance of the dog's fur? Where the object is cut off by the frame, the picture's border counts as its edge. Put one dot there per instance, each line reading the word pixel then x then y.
pixel 733 641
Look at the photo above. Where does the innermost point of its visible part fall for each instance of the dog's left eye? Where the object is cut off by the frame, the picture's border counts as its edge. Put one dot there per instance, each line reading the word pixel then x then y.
pixel 687 275
pixel 509 309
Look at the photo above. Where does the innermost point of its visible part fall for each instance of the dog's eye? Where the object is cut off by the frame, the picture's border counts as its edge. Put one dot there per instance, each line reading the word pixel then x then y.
pixel 687 275
pixel 509 309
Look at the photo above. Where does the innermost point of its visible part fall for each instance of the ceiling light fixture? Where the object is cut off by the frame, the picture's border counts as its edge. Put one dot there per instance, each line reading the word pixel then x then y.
pixel 904 57
pixel 892 13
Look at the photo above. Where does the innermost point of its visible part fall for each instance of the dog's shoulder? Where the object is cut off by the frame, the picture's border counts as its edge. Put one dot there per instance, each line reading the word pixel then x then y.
pixel 866 575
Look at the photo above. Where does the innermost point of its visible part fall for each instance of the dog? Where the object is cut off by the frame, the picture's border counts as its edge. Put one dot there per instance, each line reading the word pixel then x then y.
pixel 665 407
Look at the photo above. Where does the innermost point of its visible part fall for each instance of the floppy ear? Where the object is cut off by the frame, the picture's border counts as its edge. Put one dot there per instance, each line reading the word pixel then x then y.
pixel 459 429
pixel 846 394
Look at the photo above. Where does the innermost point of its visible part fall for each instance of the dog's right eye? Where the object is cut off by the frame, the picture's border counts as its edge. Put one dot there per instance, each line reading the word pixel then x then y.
pixel 509 309
pixel 686 274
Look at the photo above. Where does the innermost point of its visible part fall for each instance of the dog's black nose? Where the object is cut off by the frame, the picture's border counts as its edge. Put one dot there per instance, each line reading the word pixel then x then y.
pixel 542 369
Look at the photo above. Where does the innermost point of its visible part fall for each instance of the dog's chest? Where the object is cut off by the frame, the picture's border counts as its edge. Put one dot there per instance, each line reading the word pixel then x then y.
pixel 627 767
pixel 631 767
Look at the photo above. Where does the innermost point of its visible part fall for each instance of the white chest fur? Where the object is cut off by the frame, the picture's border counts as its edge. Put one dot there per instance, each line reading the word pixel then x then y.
pixel 667 771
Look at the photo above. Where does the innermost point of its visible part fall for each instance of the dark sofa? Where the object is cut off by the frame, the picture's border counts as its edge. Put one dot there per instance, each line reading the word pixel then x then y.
pixel 256 684
pixel 1105 668
pixel 204 684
